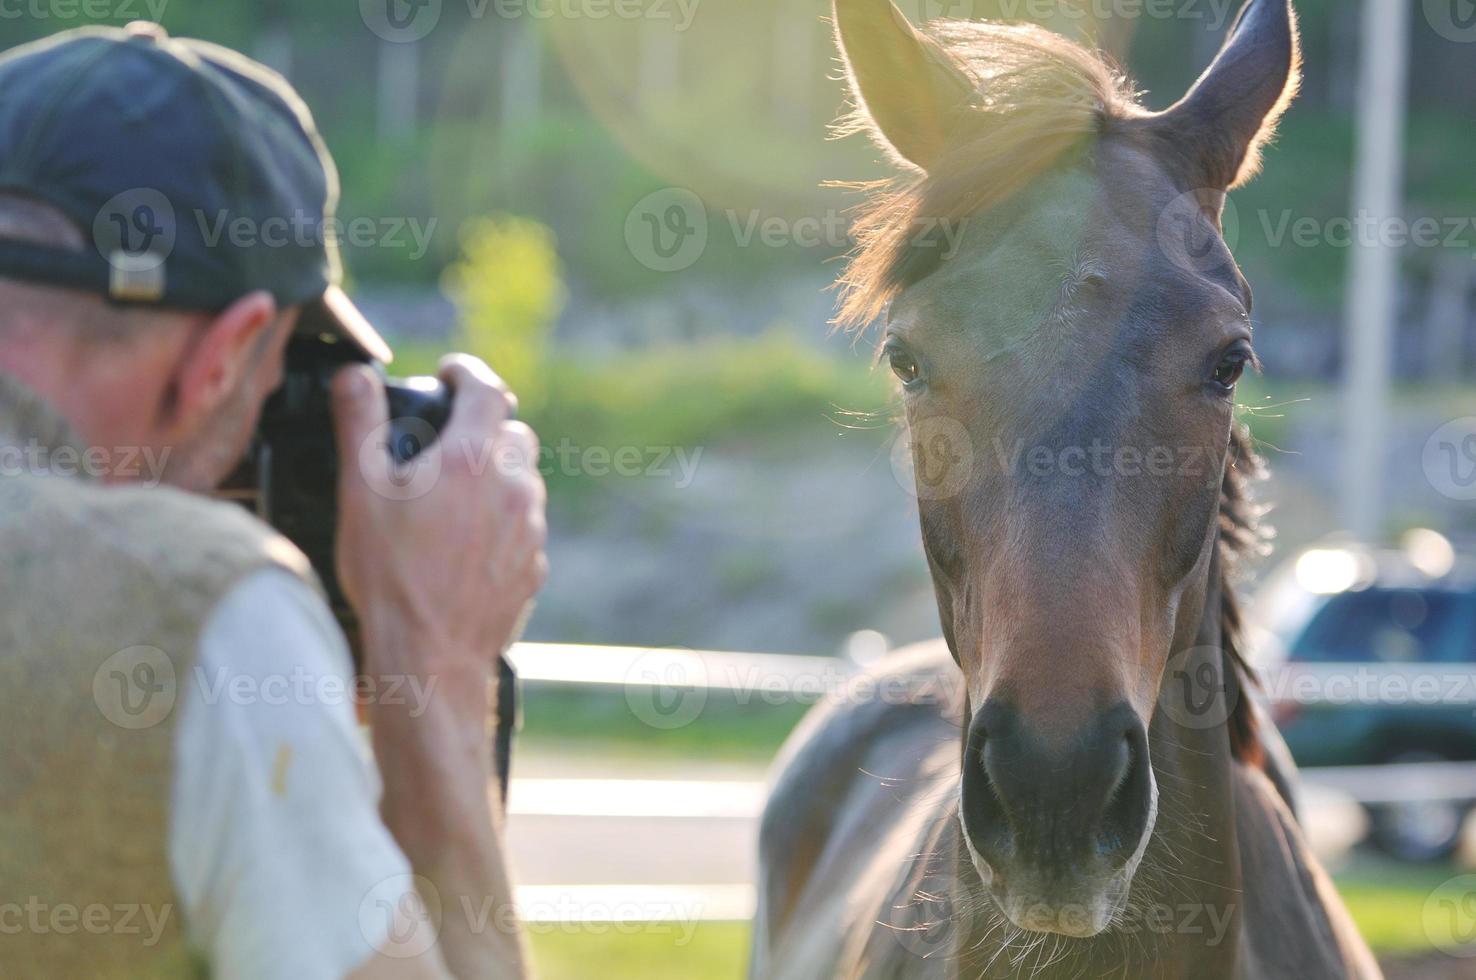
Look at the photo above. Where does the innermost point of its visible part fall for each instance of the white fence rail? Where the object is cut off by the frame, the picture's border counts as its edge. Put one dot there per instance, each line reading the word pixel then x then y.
pixel 809 677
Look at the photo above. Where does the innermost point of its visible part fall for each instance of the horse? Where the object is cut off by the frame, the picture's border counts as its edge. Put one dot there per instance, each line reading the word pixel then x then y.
pixel 1078 779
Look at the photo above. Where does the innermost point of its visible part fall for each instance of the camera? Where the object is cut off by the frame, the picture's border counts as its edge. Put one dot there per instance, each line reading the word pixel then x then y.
pixel 289 477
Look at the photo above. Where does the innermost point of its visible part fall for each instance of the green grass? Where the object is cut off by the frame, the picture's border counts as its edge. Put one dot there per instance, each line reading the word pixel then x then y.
pixel 713 951
pixel 1386 900
pixel 627 723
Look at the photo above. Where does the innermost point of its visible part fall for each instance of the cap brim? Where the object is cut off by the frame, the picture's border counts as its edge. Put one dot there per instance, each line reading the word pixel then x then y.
pixel 335 313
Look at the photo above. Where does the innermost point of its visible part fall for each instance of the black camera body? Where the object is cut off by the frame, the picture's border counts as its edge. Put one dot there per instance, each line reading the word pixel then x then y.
pixel 289 477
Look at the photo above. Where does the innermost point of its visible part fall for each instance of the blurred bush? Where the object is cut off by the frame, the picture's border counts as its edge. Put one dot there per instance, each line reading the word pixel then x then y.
pixel 717 391
pixel 509 286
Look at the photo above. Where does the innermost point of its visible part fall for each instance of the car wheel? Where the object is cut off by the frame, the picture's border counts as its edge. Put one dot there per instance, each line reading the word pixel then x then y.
pixel 1423 831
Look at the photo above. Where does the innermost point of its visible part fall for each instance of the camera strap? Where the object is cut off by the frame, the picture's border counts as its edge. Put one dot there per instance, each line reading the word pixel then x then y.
pixel 507 724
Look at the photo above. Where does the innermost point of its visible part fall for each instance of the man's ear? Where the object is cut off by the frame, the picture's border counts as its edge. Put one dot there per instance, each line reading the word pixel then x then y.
pixel 213 366
pixel 1220 127
pixel 907 89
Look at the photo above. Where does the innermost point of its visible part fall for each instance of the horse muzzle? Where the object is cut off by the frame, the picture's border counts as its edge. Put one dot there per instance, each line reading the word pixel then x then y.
pixel 1057 826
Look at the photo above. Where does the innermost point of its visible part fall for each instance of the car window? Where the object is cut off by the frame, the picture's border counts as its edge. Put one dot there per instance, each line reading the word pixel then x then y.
pixel 1391 626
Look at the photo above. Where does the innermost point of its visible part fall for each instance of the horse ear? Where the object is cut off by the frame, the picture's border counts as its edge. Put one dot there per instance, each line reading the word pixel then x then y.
pixel 907 89
pixel 1232 111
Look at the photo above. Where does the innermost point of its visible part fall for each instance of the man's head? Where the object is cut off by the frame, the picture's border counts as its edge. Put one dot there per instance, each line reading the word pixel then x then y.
pixel 180 388
pixel 165 225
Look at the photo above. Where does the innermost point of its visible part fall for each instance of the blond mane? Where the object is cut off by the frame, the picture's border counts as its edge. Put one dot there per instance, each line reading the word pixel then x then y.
pixel 1039 98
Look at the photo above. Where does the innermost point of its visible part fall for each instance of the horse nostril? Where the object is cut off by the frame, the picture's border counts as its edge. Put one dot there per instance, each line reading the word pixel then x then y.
pixel 1129 801
pixel 1024 793
pixel 984 811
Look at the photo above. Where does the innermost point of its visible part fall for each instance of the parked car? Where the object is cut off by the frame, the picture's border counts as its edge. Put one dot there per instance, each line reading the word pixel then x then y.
pixel 1369 658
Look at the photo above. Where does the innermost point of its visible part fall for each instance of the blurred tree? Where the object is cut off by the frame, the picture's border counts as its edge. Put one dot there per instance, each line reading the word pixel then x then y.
pixel 509 285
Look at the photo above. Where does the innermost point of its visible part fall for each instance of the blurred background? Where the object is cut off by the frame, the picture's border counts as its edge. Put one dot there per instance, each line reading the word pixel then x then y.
pixel 621 204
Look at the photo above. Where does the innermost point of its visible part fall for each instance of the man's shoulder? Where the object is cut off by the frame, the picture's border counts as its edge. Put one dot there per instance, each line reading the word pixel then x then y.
pixel 157 529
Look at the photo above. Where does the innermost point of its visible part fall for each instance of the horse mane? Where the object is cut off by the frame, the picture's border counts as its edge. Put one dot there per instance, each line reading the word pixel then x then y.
pixel 1241 534
pixel 1039 99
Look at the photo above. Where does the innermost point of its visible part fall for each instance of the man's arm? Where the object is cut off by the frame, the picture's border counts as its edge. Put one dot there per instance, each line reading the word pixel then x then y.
pixel 441 581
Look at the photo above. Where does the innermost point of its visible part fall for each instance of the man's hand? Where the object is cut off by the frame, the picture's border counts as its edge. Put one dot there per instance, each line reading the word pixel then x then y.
pixel 450 545
pixel 440 557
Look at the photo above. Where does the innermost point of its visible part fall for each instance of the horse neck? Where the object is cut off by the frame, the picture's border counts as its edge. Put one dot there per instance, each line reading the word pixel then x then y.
pixel 1193 857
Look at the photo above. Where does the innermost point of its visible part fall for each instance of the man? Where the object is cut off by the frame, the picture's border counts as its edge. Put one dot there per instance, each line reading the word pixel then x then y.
pixel 183 784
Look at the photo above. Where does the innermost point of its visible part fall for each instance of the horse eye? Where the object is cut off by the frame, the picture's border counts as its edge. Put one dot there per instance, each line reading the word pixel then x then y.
pixel 1229 370
pixel 904 365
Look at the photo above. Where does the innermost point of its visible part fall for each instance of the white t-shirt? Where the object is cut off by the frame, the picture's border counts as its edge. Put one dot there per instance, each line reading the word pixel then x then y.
pixel 279 855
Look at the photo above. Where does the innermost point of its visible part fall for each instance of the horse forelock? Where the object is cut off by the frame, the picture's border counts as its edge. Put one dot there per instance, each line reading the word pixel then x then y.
pixel 1041 101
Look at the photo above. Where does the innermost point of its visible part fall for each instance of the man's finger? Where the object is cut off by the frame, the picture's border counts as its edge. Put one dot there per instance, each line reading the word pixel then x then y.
pixel 481 400
pixel 360 413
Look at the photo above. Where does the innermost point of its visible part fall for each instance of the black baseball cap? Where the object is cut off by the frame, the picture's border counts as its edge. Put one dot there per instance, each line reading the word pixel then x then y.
pixel 197 173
